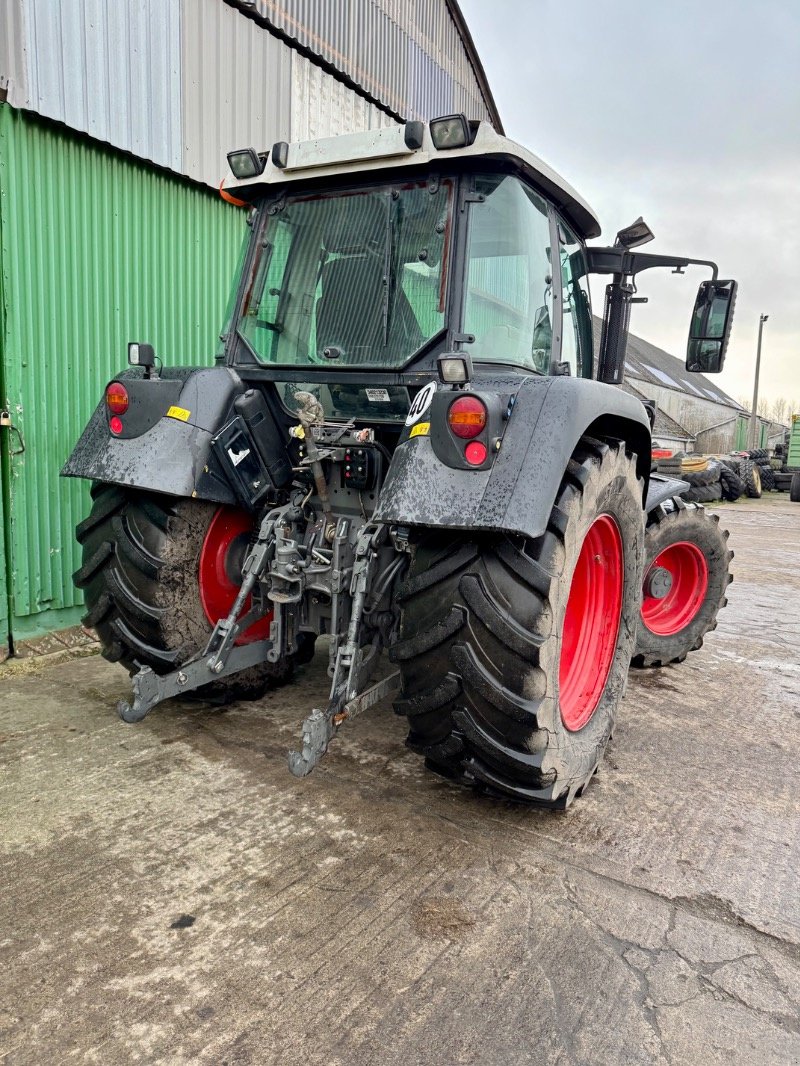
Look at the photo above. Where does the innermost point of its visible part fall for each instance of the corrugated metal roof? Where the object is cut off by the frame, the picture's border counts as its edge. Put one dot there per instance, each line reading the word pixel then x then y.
pixel 112 70
pixel 417 59
pixel 236 87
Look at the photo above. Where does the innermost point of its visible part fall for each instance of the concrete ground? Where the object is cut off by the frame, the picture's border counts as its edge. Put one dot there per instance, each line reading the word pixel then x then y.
pixel 170 894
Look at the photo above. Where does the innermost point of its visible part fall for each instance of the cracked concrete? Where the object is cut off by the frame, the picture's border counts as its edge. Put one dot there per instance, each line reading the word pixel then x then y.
pixel 172 895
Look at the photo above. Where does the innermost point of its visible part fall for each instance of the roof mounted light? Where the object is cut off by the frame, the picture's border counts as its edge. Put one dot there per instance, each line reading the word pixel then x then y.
pixel 635 234
pixel 246 163
pixel 452 131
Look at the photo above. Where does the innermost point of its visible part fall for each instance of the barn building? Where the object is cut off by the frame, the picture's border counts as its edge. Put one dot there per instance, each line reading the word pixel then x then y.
pixel 694 413
pixel 115 119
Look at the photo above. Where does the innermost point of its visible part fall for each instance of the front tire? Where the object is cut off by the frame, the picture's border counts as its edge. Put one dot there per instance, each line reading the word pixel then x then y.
pixel 686 576
pixel 156 570
pixel 513 652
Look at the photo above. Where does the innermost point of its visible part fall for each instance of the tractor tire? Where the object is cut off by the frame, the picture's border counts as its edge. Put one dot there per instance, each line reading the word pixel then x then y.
pixel 767 477
pixel 690 546
pixel 732 485
pixel 751 476
pixel 154 569
pixel 514 653
pixel 794 488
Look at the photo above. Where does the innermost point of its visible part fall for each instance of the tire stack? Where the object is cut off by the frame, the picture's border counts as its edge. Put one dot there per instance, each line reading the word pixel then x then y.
pixel 760 457
pixel 704 477
pixel 669 467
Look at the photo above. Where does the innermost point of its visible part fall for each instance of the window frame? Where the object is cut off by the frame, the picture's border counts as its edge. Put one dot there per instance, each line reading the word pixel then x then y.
pixel 587 359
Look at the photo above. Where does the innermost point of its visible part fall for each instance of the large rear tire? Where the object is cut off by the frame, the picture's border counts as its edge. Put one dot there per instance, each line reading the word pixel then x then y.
pixel 686 575
pixel 156 572
pixel 514 653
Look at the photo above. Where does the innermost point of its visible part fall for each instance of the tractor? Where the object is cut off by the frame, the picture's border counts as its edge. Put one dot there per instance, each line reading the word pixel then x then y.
pixel 406 445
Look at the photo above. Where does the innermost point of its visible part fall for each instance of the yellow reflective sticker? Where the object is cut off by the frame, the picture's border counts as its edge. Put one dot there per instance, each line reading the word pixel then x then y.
pixel 421 429
pixel 178 412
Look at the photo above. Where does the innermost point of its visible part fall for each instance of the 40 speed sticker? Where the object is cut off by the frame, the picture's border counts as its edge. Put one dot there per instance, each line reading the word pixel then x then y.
pixel 422 402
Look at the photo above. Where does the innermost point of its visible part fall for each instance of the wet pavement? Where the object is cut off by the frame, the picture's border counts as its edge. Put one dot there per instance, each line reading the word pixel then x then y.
pixel 170 894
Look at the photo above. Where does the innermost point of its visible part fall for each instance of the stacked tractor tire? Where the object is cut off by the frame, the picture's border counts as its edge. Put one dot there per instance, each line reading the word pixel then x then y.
pixel 712 479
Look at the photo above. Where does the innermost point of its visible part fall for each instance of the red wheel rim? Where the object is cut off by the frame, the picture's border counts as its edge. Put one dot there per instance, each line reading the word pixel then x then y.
pixel 221 557
pixel 591 623
pixel 688 569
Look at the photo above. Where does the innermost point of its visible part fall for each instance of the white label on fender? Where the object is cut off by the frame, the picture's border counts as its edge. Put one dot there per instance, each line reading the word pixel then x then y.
pixel 422 402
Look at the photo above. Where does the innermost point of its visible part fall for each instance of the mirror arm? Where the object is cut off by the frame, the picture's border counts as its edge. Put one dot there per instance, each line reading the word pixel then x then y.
pixel 620 261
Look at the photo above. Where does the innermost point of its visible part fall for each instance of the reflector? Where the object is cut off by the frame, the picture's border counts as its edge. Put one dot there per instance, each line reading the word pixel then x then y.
pixel 475 453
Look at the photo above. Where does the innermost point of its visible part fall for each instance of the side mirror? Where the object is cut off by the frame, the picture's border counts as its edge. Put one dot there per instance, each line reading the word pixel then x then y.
pixel 710 328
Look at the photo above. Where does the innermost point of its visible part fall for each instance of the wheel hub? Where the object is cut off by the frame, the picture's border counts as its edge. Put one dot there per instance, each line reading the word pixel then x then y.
pixel 219 573
pixel 658 583
pixel 668 611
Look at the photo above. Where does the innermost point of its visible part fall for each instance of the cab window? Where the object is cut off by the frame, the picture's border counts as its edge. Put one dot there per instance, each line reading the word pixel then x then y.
pixel 508 304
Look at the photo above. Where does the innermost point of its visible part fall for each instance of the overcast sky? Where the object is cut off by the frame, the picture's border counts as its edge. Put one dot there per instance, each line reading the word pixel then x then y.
pixel 687 113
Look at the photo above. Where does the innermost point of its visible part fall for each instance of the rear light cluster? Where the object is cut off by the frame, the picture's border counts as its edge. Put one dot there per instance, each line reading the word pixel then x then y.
pixel 117 403
pixel 467 417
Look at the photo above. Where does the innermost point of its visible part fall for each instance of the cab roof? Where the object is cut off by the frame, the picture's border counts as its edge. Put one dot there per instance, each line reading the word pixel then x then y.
pixel 389 149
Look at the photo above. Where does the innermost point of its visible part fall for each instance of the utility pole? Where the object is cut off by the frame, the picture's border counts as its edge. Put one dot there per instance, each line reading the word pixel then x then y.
pixel 753 411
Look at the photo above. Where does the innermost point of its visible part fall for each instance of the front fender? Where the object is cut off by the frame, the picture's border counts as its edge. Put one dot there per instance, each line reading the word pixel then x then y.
pixel 517 492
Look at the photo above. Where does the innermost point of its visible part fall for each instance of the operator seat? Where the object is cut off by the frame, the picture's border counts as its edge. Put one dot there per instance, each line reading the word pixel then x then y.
pixel 350 310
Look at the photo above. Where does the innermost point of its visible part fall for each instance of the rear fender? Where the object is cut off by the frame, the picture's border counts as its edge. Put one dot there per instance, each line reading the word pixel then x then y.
pixel 173 454
pixel 517 492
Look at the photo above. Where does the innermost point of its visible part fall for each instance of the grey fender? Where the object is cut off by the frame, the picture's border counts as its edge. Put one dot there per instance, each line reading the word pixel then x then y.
pixel 517 492
pixel 663 488
pixel 171 455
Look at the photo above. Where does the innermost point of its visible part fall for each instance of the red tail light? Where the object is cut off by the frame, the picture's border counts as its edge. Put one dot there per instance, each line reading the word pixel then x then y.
pixel 117 398
pixel 467 417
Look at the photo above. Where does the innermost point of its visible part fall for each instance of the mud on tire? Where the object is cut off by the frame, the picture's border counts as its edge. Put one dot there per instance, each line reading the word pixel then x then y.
pixel 139 576
pixel 481 639
pixel 690 545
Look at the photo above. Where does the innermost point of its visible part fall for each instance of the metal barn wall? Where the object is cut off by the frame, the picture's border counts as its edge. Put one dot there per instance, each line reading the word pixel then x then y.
pixel 322 106
pixel 96 249
pixel 13 76
pixel 112 70
pixel 236 87
pixel 411 56
pixel 181 82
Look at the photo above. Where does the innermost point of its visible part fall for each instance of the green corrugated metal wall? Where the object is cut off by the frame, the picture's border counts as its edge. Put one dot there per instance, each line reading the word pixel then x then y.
pixel 95 249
